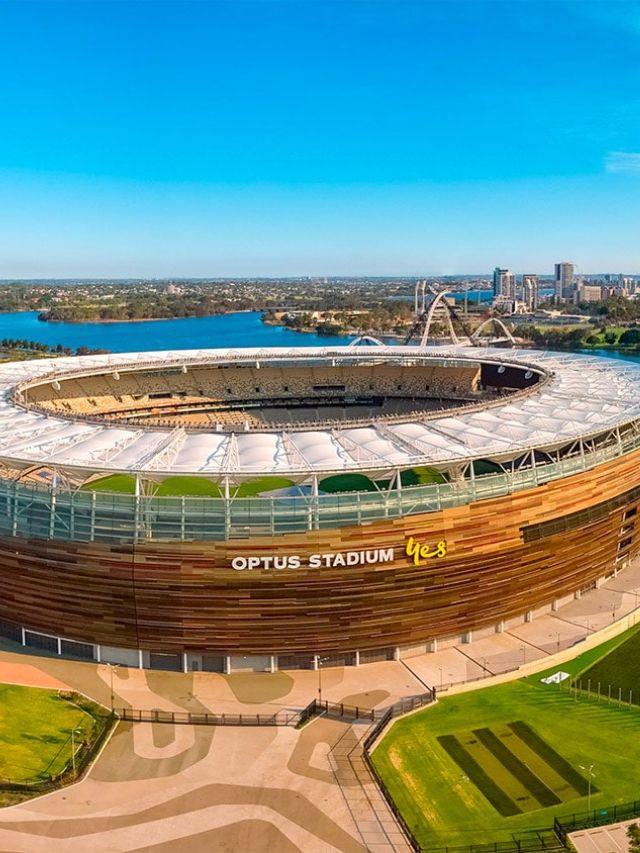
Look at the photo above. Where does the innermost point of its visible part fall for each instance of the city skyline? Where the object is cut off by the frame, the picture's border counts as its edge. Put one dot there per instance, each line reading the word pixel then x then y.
pixel 287 139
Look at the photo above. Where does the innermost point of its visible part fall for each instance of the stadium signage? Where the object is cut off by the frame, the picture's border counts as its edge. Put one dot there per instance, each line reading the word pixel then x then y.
pixel 315 561
pixel 414 549
pixel 421 551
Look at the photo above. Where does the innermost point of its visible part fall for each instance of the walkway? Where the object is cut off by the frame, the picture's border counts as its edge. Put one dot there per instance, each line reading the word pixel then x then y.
pixel 166 789
pixel 603 839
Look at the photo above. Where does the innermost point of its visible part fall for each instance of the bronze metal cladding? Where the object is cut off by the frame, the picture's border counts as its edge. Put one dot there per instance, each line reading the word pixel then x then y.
pixel 173 596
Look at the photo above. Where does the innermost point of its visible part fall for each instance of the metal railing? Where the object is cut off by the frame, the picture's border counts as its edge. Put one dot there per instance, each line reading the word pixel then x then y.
pixel 206 718
pixel 41 511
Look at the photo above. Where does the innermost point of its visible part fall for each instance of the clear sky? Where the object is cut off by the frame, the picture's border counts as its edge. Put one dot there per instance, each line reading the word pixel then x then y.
pixel 295 137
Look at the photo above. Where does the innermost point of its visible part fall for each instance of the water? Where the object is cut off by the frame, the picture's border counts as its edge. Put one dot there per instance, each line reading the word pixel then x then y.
pixel 244 329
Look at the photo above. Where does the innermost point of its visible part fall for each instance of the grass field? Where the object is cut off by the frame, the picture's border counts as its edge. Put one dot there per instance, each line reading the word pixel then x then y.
pixel 620 669
pixel 481 766
pixel 124 484
pixel 35 732
pixel 186 486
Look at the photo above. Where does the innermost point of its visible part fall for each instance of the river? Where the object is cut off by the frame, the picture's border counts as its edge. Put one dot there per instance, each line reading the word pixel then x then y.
pixel 243 329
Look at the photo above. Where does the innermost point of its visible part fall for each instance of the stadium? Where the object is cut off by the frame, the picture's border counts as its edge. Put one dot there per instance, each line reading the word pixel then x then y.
pixel 255 509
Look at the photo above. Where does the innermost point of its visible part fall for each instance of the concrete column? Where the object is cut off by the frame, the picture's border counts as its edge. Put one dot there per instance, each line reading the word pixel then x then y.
pixel 468 637
pixel 140 659
pixel 59 645
pixel 98 654
pixel 356 661
pixel 24 637
pixel 185 663
pixel 577 595
pixel 433 645
pixel 500 627
pixel 528 616
pixel 555 605
pixel 396 653
pixel 315 662
pixel 227 665
pixel 598 582
pixel 273 663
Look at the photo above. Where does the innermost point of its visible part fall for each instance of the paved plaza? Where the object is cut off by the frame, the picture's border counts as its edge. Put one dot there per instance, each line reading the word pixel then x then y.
pixel 165 788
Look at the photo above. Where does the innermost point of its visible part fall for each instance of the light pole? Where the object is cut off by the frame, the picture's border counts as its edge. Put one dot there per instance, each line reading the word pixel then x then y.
pixel 588 770
pixel 73 750
pixel 320 662
pixel 112 668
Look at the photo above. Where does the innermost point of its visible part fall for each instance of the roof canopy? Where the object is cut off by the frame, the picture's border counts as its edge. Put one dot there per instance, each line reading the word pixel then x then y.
pixel 585 396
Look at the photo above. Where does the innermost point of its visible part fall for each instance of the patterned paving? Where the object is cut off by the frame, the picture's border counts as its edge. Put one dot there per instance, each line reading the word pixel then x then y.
pixel 165 788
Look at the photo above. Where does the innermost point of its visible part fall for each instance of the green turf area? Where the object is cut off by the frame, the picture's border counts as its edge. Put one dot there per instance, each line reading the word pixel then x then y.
pixel 263 484
pixel 421 476
pixel 620 669
pixel 481 766
pixel 35 732
pixel 515 769
pixel 187 486
pixel 122 484
pixel 346 483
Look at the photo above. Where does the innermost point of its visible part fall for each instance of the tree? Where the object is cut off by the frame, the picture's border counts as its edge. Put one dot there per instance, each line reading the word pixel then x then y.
pixel 630 337
pixel 633 836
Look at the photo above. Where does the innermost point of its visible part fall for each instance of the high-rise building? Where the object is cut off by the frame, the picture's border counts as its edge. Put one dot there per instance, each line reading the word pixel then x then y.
pixel 504 284
pixel 564 284
pixel 589 292
pixel 530 291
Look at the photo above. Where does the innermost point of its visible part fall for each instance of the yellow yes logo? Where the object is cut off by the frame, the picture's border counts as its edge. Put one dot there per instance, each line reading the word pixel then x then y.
pixel 418 552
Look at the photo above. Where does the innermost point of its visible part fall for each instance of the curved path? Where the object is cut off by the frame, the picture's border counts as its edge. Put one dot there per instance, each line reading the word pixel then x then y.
pixel 165 788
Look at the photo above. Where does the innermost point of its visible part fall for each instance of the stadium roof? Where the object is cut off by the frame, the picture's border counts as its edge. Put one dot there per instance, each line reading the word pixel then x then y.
pixel 584 396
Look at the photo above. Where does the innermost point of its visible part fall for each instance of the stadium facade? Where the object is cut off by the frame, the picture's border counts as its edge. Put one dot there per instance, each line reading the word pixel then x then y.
pixel 221 509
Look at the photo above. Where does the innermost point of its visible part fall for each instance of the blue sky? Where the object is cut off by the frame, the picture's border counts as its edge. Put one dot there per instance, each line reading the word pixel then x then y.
pixel 301 137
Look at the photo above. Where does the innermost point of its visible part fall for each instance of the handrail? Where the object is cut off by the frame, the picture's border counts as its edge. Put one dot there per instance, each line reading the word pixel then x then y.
pixel 45 511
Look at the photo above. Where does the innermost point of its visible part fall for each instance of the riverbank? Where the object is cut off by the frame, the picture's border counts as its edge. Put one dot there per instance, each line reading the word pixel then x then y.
pixel 44 318
pixel 235 329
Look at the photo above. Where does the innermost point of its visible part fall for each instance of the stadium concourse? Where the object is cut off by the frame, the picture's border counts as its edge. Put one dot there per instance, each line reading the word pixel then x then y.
pixel 165 788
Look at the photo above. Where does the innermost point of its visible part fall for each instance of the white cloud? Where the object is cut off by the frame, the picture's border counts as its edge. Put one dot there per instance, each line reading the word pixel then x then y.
pixel 623 162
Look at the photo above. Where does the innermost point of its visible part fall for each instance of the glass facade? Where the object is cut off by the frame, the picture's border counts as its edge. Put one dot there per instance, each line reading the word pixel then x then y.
pixel 37 511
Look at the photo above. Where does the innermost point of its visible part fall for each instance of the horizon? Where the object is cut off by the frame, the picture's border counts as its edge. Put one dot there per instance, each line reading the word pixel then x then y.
pixel 272 139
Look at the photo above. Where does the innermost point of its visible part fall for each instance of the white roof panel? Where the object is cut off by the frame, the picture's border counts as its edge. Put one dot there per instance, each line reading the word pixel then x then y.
pixel 584 394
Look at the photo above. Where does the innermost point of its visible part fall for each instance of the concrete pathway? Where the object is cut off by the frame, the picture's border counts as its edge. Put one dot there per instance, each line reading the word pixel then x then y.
pixel 165 788
pixel 603 839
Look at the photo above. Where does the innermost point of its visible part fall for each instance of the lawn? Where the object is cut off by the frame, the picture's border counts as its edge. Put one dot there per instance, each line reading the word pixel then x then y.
pixel 620 669
pixel 480 766
pixel 346 483
pixel 35 732
pixel 125 484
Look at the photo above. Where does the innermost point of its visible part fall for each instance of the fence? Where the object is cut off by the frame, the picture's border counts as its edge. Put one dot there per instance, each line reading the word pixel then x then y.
pixel 33 510
pixel 530 843
pixel 595 817
pixel 608 693
pixel 279 718
pixel 204 718
pixel 75 767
